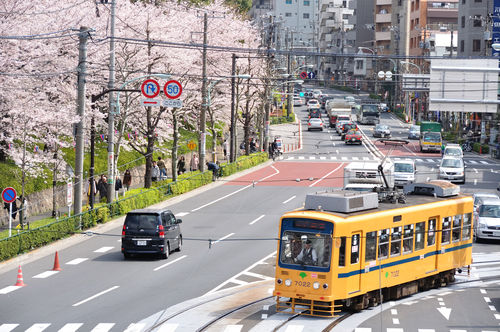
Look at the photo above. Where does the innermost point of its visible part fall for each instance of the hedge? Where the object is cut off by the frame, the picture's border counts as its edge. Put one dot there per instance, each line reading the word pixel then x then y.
pixel 282 119
pixel 38 236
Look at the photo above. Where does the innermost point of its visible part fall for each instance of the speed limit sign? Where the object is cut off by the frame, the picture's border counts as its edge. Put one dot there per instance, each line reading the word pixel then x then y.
pixel 172 89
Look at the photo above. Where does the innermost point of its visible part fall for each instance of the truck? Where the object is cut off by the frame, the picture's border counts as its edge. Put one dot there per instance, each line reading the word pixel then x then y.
pixel 337 107
pixel 430 137
pixel 365 175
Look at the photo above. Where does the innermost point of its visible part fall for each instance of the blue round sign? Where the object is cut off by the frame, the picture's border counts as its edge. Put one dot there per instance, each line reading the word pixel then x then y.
pixel 9 195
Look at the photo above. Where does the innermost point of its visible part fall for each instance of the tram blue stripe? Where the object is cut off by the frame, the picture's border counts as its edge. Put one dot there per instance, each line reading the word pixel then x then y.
pixel 401 261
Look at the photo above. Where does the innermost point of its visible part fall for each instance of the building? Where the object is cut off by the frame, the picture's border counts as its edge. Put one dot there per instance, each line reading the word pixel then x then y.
pixel 474 27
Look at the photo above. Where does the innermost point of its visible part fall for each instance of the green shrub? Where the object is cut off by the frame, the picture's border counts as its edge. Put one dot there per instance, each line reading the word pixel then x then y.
pixel 283 119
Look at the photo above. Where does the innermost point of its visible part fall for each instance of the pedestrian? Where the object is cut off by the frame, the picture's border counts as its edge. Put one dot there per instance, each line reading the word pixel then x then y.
pixel 253 145
pixel 155 172
pixel 127 179
pixel 181 165
pixel 89 190
pixel 14 208
pixel 193 164
pixel 162 168
pixel 102 188
pixel 118 185
pixel 225 146
pixel 211 166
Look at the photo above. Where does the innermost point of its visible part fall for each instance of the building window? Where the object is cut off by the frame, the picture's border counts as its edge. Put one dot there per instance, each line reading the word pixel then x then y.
pixel 462 46
pixel 359 64
pixel 476 45
pixel 288 14
pixel 307 2
pixel 478 0
pixel 306 15
pixel 463 2
pixel 477 21
pixel 288 2
pixel 463 22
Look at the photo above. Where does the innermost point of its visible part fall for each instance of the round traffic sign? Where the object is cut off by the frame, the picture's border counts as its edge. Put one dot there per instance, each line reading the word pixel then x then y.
pixel 9 195
pixel 150 88
pixel 172 89
pixel 388 75
pixel 381 74
pixel 191 145
pixel 303 75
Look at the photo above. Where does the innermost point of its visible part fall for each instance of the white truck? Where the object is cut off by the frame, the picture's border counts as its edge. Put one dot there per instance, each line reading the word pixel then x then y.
pixel 336 108
pixel 364 176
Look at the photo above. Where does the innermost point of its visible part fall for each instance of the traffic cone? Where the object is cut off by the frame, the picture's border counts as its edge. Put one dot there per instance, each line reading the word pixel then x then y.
pixel 56 263
pixel 20 277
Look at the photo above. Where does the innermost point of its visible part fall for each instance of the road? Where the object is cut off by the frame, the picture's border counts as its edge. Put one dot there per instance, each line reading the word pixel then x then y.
pixel 97 290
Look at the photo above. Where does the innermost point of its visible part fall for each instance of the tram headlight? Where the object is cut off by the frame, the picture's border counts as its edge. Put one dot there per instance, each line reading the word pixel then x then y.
pixel 316 285
pixel 279 281
pixel 325 286
pixel 288 282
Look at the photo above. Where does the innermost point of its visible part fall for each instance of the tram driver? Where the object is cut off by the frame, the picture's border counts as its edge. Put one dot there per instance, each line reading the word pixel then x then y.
pixel 308 255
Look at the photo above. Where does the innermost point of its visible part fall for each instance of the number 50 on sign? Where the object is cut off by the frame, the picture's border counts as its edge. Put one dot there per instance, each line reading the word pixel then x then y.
pixel 172 89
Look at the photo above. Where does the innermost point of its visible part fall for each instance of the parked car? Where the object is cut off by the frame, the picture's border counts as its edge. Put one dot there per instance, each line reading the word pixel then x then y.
pixel 404 172
pixel 315 123
pixel 453 150
pixel 353 136
pixel 151 231
pixel 381 130
pixel 414 132
pixel 487 219
pixel 452 169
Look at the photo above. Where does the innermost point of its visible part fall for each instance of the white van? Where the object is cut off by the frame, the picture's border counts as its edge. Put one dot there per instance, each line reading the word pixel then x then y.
pixel 487 219
pixel 404 172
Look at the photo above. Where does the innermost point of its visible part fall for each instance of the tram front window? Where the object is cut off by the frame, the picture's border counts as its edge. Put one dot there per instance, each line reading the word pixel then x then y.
pixel 305 249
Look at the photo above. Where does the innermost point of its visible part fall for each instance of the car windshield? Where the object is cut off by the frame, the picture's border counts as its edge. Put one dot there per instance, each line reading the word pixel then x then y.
pixel 415 129
pixel 453 151
pixel 489 211
pixel 141 221
pixel 300 248
pixel 432 137
pixel 452 163
pixel 382 127
pixel 477 197
pixel 353 132
pixel 403 168
pixel 315 120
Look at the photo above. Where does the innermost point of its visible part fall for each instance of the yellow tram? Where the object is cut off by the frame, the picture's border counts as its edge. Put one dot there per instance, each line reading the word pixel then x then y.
pixel 347 249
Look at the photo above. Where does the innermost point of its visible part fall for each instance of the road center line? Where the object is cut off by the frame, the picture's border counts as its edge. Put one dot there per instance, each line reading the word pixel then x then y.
pixel 336 169
pixel 288 200
pixel 237 191
pixel 223 238
pixel 167 264
pixel 97 295
pixel 259 218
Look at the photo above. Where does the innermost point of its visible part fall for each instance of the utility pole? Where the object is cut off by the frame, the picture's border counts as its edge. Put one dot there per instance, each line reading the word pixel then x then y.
pixel 111 108
pixel 288 90
pixel 267 105
pixel 232 148
pixel 92 163
pixel 203 96
pixel 82 72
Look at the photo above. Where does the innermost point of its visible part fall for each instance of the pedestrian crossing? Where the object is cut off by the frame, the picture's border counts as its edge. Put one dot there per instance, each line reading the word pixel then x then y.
pixel 337 158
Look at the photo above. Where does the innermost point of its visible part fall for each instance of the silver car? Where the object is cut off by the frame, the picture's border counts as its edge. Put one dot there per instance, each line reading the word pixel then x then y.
pixel 452 169
pixel 381 130
pixel 487 219
pixel 315 123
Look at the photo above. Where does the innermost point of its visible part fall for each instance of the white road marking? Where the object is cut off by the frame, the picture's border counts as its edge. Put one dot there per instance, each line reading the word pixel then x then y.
pixel 419 160
pixel 343 158
pixel 103 327
pixel 323 177
pixel 95 296
pixel 445 312
pixel 264 316
pixel 363 329
pixel 395 321
pixel 9 289
pixel 257 275
pixel 472 161
pixel 294 328
pixel 337 151
pixel 182 214
pixel 169 263
pixel 483 162
pixel 312 158
pixel 389 329
pixel 288 200
pixel 430 160
pixel 168 327
pixel 135 327
pixel 394 311
pixel 265 307
pixel 475 181
pixel 483 291
pixel 355 158
pixel 45 274
pixel 487 299
pixel 441 303
pixel 259 218
pixel 426 330
pixel 237 191
pixel 366 158
pixel 8 327
pixel 301 158
pixel 37 327
pixel 497 316
pixel 458 330
pixel 322 158
pixel 233 328
pixel 70 327
pixel 475 170
pixel 223 238
pixel 77 261
pixel 103 249
pixel 492 308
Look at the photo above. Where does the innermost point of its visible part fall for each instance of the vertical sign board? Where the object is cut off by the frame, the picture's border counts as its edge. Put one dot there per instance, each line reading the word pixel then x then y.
pixel 495 38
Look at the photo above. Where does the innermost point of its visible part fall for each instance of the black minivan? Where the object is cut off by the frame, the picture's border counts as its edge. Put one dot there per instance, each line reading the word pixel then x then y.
pixel 151 231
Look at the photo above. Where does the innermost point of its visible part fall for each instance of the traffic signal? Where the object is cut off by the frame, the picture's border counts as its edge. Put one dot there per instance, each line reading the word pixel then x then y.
pixel 301 94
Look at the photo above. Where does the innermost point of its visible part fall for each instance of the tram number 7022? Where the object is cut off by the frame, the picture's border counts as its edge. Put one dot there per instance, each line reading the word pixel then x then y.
pixel 302 283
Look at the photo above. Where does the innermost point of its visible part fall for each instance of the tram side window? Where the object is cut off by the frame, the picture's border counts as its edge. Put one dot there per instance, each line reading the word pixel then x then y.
pixel 396 241
pixel 455 233
pixel 371 246
pixel 355 249
pixel 420 235
pixel 445 230
pixel 383 243
pixel 342 251
pixel 408 239
pixel 467 225
pixel 431 232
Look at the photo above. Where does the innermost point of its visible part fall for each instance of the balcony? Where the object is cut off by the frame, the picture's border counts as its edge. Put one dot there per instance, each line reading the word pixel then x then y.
pixel 383 18
pixel 332 24
pixel 442 12
pixel 382 35
pixel 383 2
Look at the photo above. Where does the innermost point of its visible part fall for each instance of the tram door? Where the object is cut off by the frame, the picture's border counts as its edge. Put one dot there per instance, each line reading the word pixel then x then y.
pixel 354 282
pixel 432 242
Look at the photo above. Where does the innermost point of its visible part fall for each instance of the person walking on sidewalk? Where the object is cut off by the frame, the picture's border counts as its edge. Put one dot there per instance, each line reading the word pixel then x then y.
pixel 89 191
pixel 118 185
pixel 127 180
pixel 162 168
pixel 102 188
pixel 155 172
pixel 181 165
pixel 193 164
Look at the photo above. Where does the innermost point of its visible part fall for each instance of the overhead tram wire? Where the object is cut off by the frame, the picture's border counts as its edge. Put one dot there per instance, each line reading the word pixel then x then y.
pixel 45 12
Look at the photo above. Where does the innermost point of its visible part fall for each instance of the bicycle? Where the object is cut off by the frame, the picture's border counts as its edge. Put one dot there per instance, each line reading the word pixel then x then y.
pixel 467 146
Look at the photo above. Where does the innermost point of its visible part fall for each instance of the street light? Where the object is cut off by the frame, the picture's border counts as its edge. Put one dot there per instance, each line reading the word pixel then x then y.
pixel 360 48
pixel 413 64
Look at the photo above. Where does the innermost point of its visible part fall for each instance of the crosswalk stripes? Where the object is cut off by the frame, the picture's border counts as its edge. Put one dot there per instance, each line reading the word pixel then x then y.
pixel 354 158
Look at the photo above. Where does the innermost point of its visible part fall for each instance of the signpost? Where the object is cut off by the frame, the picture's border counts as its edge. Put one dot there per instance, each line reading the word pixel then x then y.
pixel 172 89
pixel 9 196
pixel 303 75
pixel 150 88
pixel 69 197
pixel 191 145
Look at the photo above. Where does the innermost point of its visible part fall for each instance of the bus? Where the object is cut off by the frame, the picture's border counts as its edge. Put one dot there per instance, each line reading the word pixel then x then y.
pixel 349 250
pixel 366 114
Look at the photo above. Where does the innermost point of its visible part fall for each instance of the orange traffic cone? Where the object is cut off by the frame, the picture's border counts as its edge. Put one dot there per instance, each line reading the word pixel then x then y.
pixel 20 277
pixel 56 263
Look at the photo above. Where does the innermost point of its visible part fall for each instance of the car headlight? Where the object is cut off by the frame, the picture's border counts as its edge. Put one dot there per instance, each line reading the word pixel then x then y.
pixel 442 172
pixel 461 173
pixel 288 282
pixel 316 285
pixel 481 225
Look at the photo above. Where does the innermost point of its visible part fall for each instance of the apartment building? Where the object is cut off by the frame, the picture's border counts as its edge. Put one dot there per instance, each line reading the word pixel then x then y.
pixel 474 27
